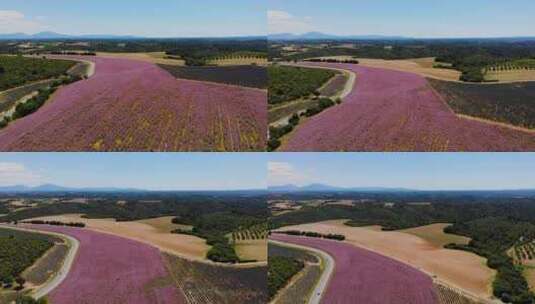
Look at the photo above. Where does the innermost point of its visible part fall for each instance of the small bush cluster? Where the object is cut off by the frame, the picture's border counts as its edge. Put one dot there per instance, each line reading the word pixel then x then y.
pixel 55 223
pixel 333 60
pixel 74 53
pixel 338 237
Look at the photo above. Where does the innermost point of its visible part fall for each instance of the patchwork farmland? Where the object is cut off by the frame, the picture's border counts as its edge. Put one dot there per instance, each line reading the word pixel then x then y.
pixel 398 111
pixel 130 105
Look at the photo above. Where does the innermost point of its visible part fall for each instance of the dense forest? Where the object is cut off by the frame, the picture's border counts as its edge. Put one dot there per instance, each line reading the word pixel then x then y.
pixel 17 70
pixel 18 251
pixel 215 228
pixel 289 83
pixel 495 221
pixel 470 56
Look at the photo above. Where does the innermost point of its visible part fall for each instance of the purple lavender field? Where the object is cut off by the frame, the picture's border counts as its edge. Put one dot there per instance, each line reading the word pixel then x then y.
pixel 399 111
pixel 111 269
pixel 131 105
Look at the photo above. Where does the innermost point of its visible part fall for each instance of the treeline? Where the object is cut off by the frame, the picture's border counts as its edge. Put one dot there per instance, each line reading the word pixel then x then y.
pixel 491 238
pixel 18 251
pixel 33 104
pixel 55 223
pixel 470 56
pixel 73 53
pixel 334 60
pixel 143 205
pixel 281 270
pixel 215 228
pixel 331 236
pixel 288 83
pixel 198 52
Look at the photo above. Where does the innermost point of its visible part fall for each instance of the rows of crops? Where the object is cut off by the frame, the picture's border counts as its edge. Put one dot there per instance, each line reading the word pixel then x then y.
pixel 448 295
pixel 242 75
pixel 136 106
pixel 507 103
pixel 398 111
pixel 48 265
pixel 256 232
pixel 203 283
pixel 524 252
pixel 522 64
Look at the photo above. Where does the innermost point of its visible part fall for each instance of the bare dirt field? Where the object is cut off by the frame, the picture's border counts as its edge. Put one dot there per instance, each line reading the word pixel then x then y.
pixel 435 235
pixel 421 66
pixel 164 224
pixel 511 76
pixel 151 232
pixel 252 250
pixel 458 268
pixel 152 57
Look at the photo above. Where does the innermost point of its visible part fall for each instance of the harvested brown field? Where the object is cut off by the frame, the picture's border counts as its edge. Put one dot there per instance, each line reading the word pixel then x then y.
pixel 529 274
pixel 187 246
pixel 511 75
pixel 164 224
pixel 457 268
pixel 435 235
pixel 252 250
pixel 421 66
pixel 152 57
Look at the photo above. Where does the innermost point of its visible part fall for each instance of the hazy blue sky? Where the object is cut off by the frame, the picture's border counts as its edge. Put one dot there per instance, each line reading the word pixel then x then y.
pixel 411 170
pixel 167 171
pixel 415 18
pixel 168 18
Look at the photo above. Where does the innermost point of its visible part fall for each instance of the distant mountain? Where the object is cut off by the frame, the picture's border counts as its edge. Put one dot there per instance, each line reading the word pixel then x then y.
pixel 323 36
pixel 54 35
pixel 56 188
pixel 58 36
pixel 328 188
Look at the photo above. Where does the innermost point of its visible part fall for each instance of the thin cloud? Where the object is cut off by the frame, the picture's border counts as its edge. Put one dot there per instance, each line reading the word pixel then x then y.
pixel 16 174
pixel 15 21
pixel 284 22
pixel 280 173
